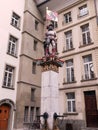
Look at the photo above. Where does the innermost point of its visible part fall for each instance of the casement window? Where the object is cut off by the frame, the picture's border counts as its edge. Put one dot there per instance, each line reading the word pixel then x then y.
pixel 35 45
pixel 26 114
pixel 32 94
pixel 69 71
pixel 12 46
pixel 55 24
pixel 83 10
pixel 69 44
pixel 36 24
pixel 33 67
pixel 88 67
pixel 15 21
pixel 31 114
pixel 67 17
pixel 71 107
pixel 86 34
pixel 8 77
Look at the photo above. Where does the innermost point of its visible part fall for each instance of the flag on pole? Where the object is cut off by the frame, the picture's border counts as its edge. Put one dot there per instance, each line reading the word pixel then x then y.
pixel 50 15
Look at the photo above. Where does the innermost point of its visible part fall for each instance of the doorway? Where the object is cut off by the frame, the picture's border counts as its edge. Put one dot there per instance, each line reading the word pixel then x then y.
pixel 91 109
pixel 4 116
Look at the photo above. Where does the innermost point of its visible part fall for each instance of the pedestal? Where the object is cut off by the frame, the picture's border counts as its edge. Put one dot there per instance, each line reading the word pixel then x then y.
pixel 49 95
pixel 50 90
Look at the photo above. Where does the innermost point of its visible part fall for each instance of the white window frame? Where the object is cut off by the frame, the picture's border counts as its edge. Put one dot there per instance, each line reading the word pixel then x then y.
pixel 69 73
pixel 68 17
pixel 69 43
pixel 88 71
pixel 71 103
pixel 15 21
pixel 12 45
pixel 83 10
pixel 8 77
pixel 86 34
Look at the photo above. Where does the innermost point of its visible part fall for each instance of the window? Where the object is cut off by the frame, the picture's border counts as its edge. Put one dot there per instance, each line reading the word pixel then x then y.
pixel 8 77
pixel 88 67
pixel 12 46
pixel 68 17
pixel 37 113
pixel 71 102
pixel 55 24
pixel 34 68
pixel 32 94
pixel 35 45
pixel 69 44
pixel 15 21
pixel 31 114
pixel 36 25
pixel 26 113
pixel 83 10
pixel 69 71
pixel 86 34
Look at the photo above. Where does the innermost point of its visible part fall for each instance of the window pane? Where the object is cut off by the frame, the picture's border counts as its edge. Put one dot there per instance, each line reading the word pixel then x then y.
pixel 8 77
pixel 26 110
pixel 32 94
pixel 68 17
pixel 83 10
pixel 12 45
pixel 31 114
pixel 70 95
pixel 74 108
pixel 15 20
pixel 71 102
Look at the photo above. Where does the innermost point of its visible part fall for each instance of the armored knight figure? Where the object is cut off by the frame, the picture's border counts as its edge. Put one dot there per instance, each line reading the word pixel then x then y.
pixel 50 39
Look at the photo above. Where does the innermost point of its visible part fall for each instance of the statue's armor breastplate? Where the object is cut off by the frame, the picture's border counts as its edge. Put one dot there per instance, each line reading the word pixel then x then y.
pixel 51 35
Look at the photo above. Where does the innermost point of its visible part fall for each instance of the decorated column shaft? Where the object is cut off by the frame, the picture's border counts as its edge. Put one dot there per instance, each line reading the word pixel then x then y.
pixel 49 92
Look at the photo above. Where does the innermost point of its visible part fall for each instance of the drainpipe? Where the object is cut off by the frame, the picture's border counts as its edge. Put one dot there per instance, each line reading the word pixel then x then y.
pixel 96 11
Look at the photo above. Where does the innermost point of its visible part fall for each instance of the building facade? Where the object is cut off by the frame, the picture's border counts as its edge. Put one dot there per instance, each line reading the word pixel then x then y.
pixel 10 44
pixel 77 33
pixel 22 33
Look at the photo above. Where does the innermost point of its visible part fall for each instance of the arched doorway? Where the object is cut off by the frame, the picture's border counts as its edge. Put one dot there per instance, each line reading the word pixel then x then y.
pixel 4 116
pixel 7 109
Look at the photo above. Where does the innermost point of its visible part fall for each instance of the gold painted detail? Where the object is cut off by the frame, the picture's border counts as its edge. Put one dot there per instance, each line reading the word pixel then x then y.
pixel 50 67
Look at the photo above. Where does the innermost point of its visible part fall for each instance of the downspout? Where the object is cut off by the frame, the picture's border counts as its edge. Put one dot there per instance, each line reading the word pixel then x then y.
pixel 96 10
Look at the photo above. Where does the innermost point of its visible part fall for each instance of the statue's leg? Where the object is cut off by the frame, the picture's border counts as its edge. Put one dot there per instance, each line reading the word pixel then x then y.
pixel 53 47
pixel 47 48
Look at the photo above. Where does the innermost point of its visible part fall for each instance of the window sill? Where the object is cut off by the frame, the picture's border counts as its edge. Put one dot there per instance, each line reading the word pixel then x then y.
pixel 66 23
pixel 8 88
pixel 16 27
pixel 69 82
pixel 84 80
pixel 81 16
pixel 68 50
pixel 86 45
pixel 12 55
pixel 70 113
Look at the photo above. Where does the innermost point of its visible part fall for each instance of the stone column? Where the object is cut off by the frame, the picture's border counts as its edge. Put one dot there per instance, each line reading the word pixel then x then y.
pixel 49 91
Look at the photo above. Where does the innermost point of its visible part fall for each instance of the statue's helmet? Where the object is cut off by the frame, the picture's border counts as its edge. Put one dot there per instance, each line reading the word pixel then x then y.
pixel 50 27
